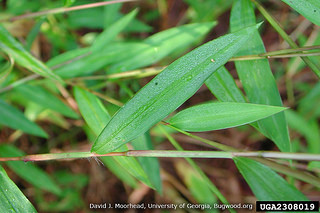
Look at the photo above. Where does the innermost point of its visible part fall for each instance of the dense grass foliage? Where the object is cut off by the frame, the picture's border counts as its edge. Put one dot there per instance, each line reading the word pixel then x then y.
pixel 118 82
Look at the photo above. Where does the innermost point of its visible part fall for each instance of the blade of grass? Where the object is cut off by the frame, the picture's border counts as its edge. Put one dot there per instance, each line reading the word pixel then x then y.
pixel 308 8
pixel 214 116
pixel 45 99
pixel 29 172
pixel 150 165
pixel 203 176
pixel 265 183
pixel 11 198
pixel 96 116
pixel 6 69
pixel 223 86
pixel 307 177
pixel 13 48
pixel 12 117
pixel 314 67
pixel 255 76
pixel 168 90
pixel 112 31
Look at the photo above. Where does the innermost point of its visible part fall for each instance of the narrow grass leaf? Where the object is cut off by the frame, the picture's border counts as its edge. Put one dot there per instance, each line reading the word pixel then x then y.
pixel 13 48
pixel 6 69
pixel 112 31
pixel 150 165
pixel 308 8
pixel 96 117
pixel 195 183
pixel 162 44
pixel 168 90
pixel 28 171
pixel 265 183
pixel 214 116
pixel 256 76
pixel 11 198
pixel 12 117
pixel 223 86
pixel 308 128
pixel 308 105
pixel 45 99
pixel 34 33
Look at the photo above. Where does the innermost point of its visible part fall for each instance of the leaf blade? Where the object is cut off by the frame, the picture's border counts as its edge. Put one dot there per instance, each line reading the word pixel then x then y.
pixel 29 172
pixel 46 99
pixel 265 183
pixel 11 198
pixel 257 78
pixel 308 8
pixel 12 117
pixel 96 117
pixel 22 57
pixel 168 90
pixel 214 116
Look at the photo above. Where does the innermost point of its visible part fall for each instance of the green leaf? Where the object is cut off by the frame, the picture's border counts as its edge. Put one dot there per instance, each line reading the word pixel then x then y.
pixel 265 183
pixel 214 116
pixel 12 117
pixel 11 198
pixel 197 186
pixel 96 117
pixel 256 76
pixel 45 99
pixel 68 3
pixel 168 90
pixel 308 128
pixel 308 8
pixel 162 44
pixel 223 86
pixel 112 31
pixel 150 165
pixel 6 69
pixel 13 48
pixel 29 171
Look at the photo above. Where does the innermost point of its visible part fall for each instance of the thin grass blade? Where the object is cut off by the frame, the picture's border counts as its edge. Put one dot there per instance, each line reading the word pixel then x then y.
pixel 308 8
pixel 96 116
pixel 150 165
pixel 12 117
pixel 112 31
pixel 265 183
pixel 223 86
pixel 11 198
pixel 13 48
pixel 29 172
pixel 45 99
pixel 256 76
pixel 214 116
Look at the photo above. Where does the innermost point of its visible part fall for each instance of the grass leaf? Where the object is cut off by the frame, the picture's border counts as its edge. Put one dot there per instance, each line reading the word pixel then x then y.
pixel 256 76
pixel 162 44
pixel 96 117
pixel 168 90
pixel 13 48
pixel 150 165
pixel 45 99
pixel 6 69
pixel 214 116
pixel 223 86
pixel 11 198
pixel 28 171
pixel 265 183
pixel 308 8
pixel 12 117
pixel 112 31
